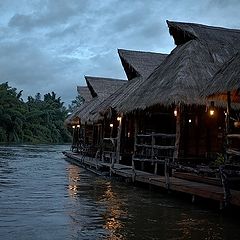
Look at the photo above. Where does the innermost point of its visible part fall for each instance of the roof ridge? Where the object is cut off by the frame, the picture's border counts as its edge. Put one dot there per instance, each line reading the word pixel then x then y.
pixel 203 26
pixel 138 51
pixel 104 78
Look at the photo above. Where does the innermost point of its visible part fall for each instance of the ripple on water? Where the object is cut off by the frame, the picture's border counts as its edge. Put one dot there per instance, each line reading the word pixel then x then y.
pixel 44 197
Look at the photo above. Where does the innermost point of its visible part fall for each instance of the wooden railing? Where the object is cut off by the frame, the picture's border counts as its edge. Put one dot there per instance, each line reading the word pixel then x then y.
pixel 232 151
pixel 155 148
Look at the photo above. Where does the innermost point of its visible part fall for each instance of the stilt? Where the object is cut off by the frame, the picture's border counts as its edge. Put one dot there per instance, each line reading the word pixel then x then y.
pixel 166 173
pixel 155 168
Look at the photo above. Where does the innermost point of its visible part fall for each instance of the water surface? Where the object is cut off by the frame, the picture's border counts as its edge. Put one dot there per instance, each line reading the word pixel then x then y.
pixel 42 196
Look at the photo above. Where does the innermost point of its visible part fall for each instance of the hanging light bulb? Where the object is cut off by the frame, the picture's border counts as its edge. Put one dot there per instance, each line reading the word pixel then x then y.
pixel 175 112
pixel 111 125
pixel 211 112
pixel 73 126
pixel 211 109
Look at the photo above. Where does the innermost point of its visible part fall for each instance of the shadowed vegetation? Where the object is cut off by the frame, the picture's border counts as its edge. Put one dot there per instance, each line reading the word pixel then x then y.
pixel 35 121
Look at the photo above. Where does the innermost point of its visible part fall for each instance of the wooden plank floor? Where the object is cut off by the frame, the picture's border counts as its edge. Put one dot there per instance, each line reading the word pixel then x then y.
pixel 203 190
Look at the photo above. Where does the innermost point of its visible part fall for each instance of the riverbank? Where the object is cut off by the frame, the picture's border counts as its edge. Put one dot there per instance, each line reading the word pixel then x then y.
pixel 196 189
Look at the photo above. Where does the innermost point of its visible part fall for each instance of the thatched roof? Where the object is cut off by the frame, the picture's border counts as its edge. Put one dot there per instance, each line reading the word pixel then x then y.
pixel 184 32
pixel 103 87
pixel 84 93
pixel 114 100
pixel 183 75
pixel 139 63
pixel 82 113
pixel 226 79
pixel 100 88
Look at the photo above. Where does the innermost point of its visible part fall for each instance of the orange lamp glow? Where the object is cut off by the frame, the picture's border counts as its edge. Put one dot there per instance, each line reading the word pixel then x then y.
pixel 211 112
pixel 175 112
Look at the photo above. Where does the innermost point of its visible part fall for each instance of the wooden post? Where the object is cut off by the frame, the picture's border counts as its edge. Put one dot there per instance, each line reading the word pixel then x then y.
pixel 85 133
pixel 166 172
pixel 73 137
pixel 119 139
pixel 134 150
pixel 155 168
pixel 103 128
pixel 225 185
pixel 228 112
pixel 227 120
pixel 152 152
pixel 178 134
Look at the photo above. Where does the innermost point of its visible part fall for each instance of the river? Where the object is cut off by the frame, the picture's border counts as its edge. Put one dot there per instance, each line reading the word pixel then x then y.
pixel 42 196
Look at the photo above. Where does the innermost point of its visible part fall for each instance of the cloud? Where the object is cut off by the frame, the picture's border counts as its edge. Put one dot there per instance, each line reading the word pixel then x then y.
pixel 49 45
pixel 48 14
pixel 30 67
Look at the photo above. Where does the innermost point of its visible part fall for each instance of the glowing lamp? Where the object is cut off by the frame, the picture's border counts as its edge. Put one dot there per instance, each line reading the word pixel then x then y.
pixel 189 120
pixel 211 109
pixel 78 126
pixel 73 127
pixel 111 125
pixel 211 112
pixel 175 112
pixel 119 119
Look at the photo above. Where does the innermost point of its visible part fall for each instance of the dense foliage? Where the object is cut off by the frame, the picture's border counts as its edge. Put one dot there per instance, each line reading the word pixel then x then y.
pixel 34 121
pixel 77 102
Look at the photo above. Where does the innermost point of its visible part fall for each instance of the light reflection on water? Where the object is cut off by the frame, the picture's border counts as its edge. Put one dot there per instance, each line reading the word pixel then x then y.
pixel 44 197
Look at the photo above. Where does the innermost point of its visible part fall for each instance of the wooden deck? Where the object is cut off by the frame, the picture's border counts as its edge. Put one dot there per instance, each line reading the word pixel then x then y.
pixel 196 189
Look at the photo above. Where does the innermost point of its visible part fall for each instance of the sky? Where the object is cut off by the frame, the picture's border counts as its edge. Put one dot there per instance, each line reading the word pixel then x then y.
pixel 49 45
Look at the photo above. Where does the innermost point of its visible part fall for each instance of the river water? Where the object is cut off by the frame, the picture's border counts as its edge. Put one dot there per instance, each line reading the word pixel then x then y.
pixel 42 196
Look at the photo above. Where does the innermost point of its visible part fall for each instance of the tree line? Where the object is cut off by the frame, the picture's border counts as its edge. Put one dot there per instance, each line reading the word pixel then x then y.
pixel 37 120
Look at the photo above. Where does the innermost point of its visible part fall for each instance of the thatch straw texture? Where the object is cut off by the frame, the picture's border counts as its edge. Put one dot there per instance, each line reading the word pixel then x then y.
pixel 184 32
pixel 145 62
pixel 115 99
pixel 84 92
pixel 139 63
pixel 100 88
pixel 226 79
pixel 103 87
pixel 184 74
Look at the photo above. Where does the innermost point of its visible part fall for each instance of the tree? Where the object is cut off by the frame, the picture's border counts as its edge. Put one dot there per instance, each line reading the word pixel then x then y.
pixel 11 113
pixel 34 121
pixel 77 102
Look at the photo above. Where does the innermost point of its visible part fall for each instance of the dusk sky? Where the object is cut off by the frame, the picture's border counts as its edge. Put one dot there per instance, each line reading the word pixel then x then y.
pixel 49 45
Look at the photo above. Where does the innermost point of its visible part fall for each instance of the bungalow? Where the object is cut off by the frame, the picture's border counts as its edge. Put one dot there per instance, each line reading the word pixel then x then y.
pixel 138 65
pixel 224 90
pixel 169 101
pixel 98 89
